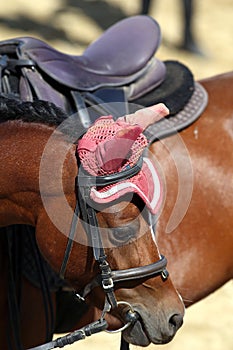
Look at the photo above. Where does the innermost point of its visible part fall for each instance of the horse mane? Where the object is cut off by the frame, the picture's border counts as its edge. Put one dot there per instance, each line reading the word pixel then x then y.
pixel 37 111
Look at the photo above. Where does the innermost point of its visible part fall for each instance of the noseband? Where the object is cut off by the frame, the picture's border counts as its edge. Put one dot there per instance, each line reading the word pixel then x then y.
pixel 107 277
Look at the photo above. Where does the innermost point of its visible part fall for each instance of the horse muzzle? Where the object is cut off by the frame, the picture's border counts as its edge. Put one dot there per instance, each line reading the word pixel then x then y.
pixel 142 330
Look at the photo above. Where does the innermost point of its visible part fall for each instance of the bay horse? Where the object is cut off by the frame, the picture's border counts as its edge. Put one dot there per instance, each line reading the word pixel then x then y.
pixel 199 247
pixel 32 196
pixel 195 233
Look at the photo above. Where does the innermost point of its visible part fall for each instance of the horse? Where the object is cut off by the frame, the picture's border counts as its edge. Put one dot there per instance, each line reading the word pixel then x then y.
pixel 31 194
pixel 195 232
pixel 22 189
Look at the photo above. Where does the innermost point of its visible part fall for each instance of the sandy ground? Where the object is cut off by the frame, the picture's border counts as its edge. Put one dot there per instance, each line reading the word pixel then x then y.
pixel 70 25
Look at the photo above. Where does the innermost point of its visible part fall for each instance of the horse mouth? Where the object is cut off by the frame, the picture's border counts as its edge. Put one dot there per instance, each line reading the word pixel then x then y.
pixel 135 332
pixel 138 334
pixel 142 333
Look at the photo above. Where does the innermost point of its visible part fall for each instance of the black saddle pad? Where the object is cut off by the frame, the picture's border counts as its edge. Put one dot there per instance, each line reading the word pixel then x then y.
pixel 175 90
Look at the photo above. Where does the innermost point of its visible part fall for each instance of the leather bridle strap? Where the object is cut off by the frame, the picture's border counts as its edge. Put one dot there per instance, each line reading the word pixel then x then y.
pixel 93 234
pixel 132 274
pixel 85 180
pixel 92 230
pixel 148 271
pixel 107 278
pixel 79 334
pixel 70 241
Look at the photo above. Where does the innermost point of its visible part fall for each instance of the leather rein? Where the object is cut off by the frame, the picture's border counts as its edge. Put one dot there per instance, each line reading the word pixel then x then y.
pixel 107 277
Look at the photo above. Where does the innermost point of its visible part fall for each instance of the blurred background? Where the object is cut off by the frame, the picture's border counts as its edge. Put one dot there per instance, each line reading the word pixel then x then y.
pixel 70 26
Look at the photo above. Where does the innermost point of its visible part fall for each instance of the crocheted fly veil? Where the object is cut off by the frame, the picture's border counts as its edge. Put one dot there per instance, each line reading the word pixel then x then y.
pixel 111 146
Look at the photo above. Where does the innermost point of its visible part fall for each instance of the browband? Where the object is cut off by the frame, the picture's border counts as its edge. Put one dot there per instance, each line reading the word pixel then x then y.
pixel 85 180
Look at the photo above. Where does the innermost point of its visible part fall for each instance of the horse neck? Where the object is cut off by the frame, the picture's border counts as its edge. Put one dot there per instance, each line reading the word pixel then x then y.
pixel 21 151
pixel 204 232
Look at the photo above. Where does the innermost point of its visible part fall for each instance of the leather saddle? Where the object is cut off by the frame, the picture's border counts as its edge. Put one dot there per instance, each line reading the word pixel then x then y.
pixel 118 68
pixel 120 62
pixel 122 55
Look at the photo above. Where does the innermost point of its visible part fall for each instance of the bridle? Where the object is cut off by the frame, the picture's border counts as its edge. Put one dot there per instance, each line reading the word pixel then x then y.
pixel 107 277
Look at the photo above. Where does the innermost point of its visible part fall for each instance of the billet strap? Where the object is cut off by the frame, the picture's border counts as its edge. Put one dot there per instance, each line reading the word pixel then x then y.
pixel 81 108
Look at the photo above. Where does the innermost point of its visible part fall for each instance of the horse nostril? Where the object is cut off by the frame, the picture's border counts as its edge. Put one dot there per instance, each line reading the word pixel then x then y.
pixel 176 321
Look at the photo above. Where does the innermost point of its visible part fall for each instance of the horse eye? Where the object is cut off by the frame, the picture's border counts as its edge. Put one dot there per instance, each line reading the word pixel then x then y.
pixel 121 235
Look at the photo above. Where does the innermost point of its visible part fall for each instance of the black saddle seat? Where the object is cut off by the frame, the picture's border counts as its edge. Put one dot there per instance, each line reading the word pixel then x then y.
pixel 124 53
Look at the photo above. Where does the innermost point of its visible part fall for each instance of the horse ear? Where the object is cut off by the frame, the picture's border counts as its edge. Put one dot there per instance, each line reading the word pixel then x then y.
pixel 112 153
pixel 147 116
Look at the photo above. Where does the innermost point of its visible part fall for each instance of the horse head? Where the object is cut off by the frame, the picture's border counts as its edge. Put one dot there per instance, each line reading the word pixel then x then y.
pixel 118 198
pixel 101 236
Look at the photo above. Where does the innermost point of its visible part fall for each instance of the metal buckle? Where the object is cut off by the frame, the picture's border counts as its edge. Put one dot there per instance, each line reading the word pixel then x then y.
pixel 131 315
pixel 108 284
